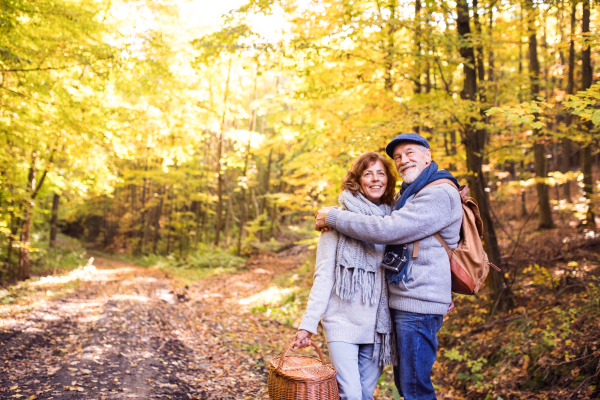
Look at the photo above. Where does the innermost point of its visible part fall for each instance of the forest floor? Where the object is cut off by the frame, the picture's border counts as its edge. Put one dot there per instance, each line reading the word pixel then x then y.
pixel 112 330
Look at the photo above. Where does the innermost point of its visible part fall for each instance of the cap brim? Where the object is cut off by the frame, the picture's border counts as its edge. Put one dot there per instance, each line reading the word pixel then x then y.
pixel 389 149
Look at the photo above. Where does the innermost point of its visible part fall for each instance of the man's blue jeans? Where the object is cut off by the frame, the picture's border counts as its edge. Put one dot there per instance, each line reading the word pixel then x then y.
pixel 417 349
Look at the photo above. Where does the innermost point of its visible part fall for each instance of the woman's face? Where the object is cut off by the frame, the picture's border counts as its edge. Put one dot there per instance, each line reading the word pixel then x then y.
pixel 373 181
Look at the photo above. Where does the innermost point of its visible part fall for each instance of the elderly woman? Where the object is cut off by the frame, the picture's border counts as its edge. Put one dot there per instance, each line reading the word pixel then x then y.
pixel 349 291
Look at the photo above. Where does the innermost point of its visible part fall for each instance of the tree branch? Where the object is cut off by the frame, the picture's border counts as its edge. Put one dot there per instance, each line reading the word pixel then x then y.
pixel 41 182
pixel 437 60
pixel 52 68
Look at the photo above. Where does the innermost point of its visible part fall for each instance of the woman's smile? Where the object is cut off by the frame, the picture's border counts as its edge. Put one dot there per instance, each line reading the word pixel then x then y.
pixel 373 181
pixel 375 190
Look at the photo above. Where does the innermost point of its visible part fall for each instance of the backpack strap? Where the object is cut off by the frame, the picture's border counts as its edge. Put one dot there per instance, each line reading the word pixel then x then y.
pixel 415 249
pixel 442 242
pixel 439 182
pixel 439 238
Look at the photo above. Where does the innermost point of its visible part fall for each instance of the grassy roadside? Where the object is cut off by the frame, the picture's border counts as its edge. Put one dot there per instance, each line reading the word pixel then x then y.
pixel 70 257
pixel 202 263
pixel 68 254
pixel 207 260
pixel 47 265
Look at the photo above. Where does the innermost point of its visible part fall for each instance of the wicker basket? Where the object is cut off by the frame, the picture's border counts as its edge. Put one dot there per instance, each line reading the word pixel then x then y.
pixel 302 378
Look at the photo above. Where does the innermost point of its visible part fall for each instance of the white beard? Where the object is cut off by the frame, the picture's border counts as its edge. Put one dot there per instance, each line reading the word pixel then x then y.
pixel 411 175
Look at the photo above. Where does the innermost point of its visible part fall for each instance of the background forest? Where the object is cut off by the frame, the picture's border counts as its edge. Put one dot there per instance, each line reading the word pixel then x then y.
pixel 158 132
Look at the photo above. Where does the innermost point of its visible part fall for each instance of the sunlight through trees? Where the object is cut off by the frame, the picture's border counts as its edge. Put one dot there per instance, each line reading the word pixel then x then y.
pixel 142 131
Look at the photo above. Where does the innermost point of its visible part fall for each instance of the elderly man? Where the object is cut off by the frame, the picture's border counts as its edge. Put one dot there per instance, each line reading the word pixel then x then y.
pixel 420 293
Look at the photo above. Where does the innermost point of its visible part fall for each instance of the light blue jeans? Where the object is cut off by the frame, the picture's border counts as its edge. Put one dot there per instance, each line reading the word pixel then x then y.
pixel 357 372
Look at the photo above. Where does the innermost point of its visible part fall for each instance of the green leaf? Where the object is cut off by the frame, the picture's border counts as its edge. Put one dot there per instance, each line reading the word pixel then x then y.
pixel 537 125
pixel 463 375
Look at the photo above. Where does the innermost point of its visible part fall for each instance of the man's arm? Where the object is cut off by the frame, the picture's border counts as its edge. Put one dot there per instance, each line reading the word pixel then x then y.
pixel 425 215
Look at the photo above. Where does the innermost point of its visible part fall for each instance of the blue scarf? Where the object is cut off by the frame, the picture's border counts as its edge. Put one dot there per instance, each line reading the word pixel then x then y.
pixel 428 175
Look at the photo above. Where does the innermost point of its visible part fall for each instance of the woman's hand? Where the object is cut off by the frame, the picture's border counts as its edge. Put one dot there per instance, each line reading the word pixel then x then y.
pixel 301 339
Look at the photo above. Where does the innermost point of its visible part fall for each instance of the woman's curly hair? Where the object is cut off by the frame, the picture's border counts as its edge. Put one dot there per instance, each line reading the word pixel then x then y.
pixel 351 181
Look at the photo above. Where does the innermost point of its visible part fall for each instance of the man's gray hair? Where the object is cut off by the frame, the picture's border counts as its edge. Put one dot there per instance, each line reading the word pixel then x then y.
pixel 421 147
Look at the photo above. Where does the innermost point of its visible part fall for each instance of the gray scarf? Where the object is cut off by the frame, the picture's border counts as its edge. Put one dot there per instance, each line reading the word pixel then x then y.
pixel 386 337
pixel 356 266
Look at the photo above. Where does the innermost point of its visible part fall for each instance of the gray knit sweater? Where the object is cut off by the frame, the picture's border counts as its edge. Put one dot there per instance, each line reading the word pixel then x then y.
pixel 434 209
pixel 350 321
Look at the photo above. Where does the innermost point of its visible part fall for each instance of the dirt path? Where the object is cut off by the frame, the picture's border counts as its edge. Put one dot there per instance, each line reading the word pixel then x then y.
pixel 112 330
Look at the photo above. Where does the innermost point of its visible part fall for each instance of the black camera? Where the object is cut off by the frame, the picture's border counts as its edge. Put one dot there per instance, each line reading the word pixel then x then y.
pixel 395 262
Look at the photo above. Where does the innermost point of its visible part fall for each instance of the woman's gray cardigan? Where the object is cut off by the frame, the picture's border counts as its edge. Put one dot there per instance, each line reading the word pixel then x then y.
pixel 350 321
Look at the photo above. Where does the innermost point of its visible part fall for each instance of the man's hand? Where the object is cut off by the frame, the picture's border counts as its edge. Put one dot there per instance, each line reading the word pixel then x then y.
pixel 320 219
pixel 301 339
pixel 451 306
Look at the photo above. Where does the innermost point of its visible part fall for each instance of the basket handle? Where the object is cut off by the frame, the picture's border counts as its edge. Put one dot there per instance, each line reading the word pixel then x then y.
pixel 313 344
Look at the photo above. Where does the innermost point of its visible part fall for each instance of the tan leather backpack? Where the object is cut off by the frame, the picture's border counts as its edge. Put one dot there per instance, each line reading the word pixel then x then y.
pixel 469 263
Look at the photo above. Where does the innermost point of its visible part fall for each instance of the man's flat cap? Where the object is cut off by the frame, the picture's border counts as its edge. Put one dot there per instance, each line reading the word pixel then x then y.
pixel 404 138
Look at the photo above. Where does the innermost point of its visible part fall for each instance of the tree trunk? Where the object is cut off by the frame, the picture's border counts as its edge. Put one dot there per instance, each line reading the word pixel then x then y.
pixel 132 232
pixel 146 233
pixel 104 222
pixel 466 51
pixel 14 231
pixel 204 217
pixel 586 151
pixel 219 161
pixel 267 185
pixel 279 190
pixel 24 261
pixel 566 167
pixel 181 222
pixel 204 188
pixel 588 185
pixel 418 67
pixel 480 63
pixel 157 223
pixel 418 45
pixel 545 213
pixel 243 203
pixel 199 230
pixel 446 147
pixel 586 53
pixel 390 52
pixel 54 220
pixel 144 214
pixel 197 210
pixel 545 57
pixel 255 202
pixel 267 182
pixel 491 71
pixel 427 77
pixel 475 148
pixel 228 218
pixel 172 196
pixel 567 144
